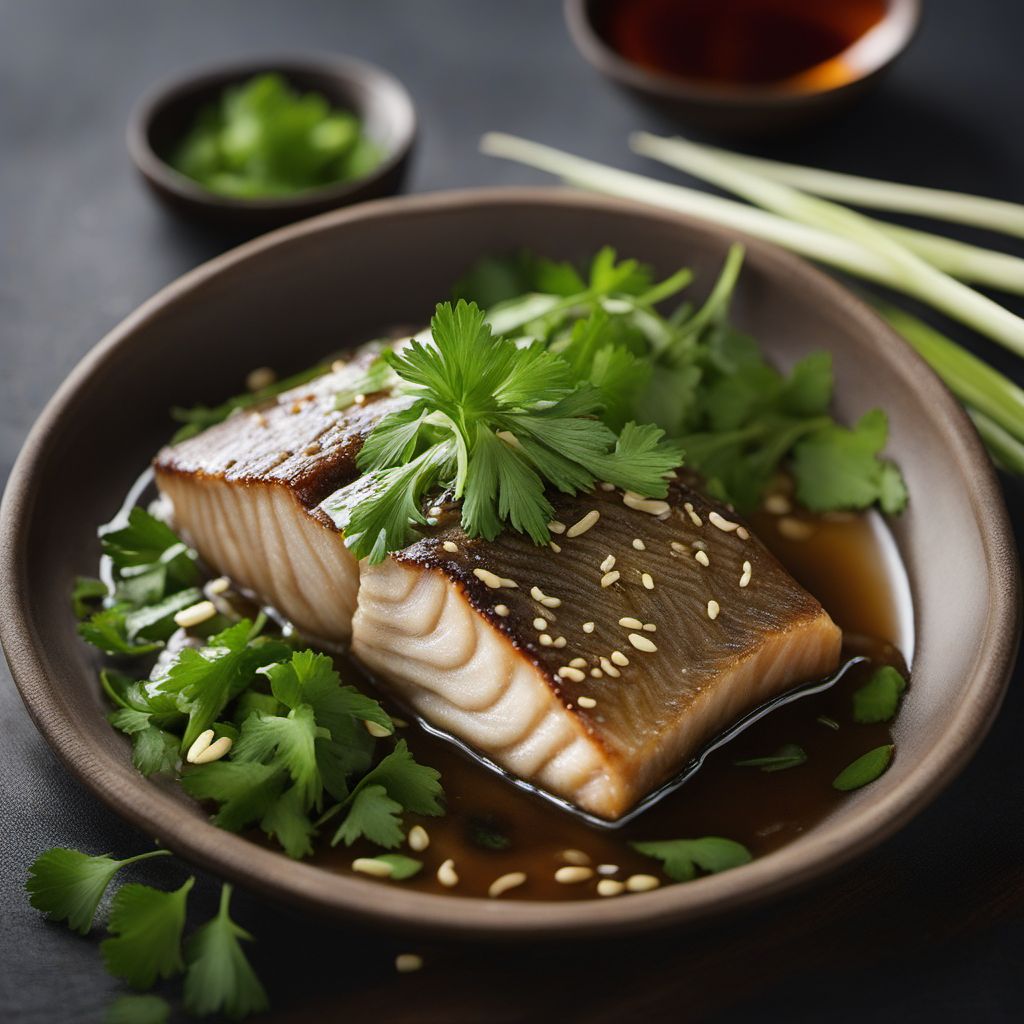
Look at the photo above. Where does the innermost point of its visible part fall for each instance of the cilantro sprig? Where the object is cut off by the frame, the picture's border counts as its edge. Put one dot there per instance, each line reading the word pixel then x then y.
pixel 495 423
pixel 681 858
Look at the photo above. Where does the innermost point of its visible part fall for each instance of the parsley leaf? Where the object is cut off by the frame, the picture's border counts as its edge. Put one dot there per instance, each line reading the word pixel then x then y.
pixel 865 769
pixel 153 749
pixel 682 857
pixel 374 815
pixel 108 630
pixel 146 926
pixel 85 593
pixel 67 885
pixel 879 698
pixel 136 1009
pixel 787 756
pixel 145 545
pixel 219 978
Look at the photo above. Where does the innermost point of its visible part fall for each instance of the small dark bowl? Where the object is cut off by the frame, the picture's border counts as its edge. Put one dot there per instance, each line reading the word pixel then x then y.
pixel 743 111
pixel 165 114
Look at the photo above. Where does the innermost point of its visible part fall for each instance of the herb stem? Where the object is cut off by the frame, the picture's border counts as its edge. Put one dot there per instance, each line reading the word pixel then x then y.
pixel 1007 451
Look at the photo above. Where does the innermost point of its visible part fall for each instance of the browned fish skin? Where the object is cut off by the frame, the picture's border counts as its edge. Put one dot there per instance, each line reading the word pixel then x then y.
pixel 551 702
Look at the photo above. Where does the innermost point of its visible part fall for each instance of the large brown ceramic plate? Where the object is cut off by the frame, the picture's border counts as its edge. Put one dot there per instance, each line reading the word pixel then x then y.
pixel 286 299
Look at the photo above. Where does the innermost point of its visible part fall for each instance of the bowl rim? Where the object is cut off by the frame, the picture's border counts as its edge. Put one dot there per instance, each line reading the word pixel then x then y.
pixel 339 66
pixel 606 60
pixel 311 888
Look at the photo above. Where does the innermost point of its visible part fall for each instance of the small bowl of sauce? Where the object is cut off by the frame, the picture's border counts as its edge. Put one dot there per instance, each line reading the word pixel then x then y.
pixel 744 67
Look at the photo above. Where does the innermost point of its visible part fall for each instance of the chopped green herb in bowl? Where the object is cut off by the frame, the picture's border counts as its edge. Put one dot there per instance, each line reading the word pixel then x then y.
pixel 264 138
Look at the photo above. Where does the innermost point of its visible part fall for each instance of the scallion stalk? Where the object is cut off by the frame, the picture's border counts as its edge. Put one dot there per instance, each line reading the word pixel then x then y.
pixel 940 204
pixel 1007 451
pixel 907 272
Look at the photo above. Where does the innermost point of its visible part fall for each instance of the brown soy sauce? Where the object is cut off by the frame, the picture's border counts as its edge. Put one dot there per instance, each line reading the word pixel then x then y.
pixel 745 43
pixel 492 828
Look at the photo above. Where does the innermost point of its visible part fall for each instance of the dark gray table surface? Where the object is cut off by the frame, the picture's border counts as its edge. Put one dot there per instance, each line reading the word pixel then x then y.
pixel 929 927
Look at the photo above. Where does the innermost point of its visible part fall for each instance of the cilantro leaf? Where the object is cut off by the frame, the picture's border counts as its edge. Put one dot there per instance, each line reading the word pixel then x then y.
pixel 865 769
pixel 682 857
pixel 496 423
pixel 838 468
pixel 135 1009
pixel 402 867
pixel 879 698
pixel 219 978
pixel 245 790
pixel 373 814
pixel 787 756
pixel 153 749
pixel 287 820
pixel 145 544
pixel 67 885
pixel 146 926
pixel 108 630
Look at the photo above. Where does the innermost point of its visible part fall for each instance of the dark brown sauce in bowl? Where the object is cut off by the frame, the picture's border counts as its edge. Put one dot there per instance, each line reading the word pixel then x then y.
pixel 744 43
pixel 849 563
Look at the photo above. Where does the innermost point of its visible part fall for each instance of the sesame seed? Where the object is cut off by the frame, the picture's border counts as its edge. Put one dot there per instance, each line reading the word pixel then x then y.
pixel 217 586
pixel 555 547
pixel 311 449
pixel 587 702
pixel 359 399
pixel 647 580
pixel 610 577
pixel 419 839
pixel 434 510
pixel 609 887
pixel 596 673
pixel 194 614
pixel 641 643
pixel 568 672
pixel 748 571
pixel 406 963
pixel 778 505
pixel 259 419
pixel 560 641
pixel 202 742
pixel 578 662
pixel 619 658
pixel 372 866
pixel 376 730
pixel 446 874
pixel 549 602
pixel 540 623
pixel 609 668
pixel 605 486
pixel 702 557
pixel 653 506
pixel 694 518
pixel 501 609
pixel 608 564
pixel 795 529
pixel 638 544
pixel 545 640
pixel 573 874
pixel 338 365
pixel 713 609
pixel 725 525
pixel 575 857
pixel 489 579
pixel 260 378
pixel 650 627
pixel 450 546
pixel 642 883
pixel 630 623
pixel 588 627
pixel 578 529
pixel 556 527
pixel 295 409
pixel 743 533
pixel 502 885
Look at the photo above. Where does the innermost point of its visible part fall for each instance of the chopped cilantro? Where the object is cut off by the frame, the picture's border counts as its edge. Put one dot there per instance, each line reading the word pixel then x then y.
pixel 682 857
pixel 136 1009
pixel 879 698
pixel 865 769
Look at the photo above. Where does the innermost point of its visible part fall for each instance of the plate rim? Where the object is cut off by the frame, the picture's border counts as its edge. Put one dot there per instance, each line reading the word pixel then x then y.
pixel 820 852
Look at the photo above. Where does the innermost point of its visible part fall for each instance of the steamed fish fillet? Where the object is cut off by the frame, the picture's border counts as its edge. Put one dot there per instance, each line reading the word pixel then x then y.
pixel 591 680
